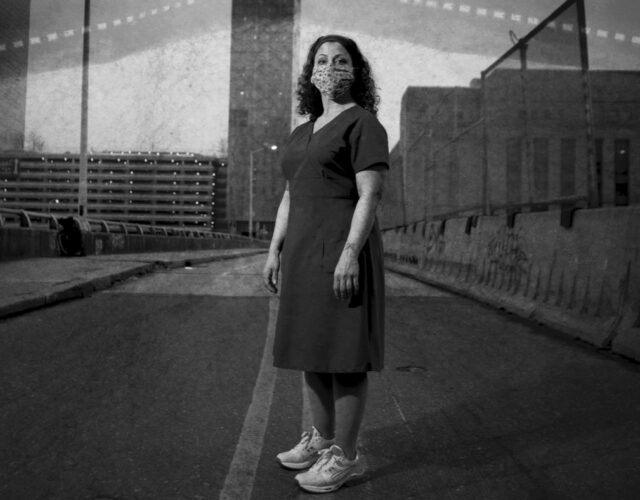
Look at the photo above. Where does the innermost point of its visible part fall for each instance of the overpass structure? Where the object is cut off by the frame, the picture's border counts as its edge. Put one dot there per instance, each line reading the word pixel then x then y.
pixel 25 234
pixel 565 265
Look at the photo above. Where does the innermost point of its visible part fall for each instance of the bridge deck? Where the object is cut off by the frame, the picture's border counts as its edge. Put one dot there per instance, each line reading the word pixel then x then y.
pixel 161 387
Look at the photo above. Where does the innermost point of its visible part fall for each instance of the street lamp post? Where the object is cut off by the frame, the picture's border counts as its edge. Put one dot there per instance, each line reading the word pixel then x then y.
pixel 84 114
pixel 272 147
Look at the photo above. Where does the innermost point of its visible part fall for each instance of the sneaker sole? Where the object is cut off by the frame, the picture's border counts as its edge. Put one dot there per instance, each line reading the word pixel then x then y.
pixel 332 487
pixel 296 465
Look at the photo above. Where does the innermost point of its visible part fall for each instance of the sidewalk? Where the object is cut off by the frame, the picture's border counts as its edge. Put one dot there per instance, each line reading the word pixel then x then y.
pixel 32 283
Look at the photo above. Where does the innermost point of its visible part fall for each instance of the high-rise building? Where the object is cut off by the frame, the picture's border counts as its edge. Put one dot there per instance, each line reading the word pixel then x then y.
pixel 14 26
pixel 263 35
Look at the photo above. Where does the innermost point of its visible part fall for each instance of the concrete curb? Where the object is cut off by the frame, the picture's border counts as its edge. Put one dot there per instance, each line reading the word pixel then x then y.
pixel 62 293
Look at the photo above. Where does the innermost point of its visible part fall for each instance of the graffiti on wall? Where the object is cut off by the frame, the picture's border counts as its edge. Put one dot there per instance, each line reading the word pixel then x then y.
pixel 434 240
pixel 117 241
pixel 506 252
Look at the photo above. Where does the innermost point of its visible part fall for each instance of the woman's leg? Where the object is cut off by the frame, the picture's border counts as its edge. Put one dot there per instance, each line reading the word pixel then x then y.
pixel 320 392
pixel 350 395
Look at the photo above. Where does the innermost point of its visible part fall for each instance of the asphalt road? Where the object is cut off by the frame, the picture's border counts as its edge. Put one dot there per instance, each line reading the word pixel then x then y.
pixel 162 388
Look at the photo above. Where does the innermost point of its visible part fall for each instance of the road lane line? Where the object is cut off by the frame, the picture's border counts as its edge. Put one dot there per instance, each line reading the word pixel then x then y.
pixel 307 421
pixel 238 484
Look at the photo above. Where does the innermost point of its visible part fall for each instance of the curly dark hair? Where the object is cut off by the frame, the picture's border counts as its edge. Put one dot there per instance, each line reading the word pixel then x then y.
pixel 363 89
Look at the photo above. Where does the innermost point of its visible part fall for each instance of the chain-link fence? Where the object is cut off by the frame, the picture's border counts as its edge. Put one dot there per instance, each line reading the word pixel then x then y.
pixel 520 138
pixel 537 118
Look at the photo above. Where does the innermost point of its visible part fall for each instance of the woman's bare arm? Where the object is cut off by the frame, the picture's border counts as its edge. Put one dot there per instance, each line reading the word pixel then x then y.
pixel 272 266
pixel 346 276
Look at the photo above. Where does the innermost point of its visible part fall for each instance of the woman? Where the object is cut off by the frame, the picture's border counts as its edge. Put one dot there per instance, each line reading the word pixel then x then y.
pixel 331 317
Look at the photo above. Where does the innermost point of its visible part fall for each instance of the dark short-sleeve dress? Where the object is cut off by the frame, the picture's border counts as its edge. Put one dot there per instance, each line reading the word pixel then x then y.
pixel 315 331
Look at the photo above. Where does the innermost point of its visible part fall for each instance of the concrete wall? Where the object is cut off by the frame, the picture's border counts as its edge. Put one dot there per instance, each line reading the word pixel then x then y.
pixel 21 243
pixel 583 280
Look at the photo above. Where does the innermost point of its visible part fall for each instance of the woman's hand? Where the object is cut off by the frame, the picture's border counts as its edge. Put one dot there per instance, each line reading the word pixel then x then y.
pixel 271 270
pixel 346 277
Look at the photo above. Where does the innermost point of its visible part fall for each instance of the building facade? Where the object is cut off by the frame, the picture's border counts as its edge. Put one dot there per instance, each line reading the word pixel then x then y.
pixel 160 189
pixel 521 142
pixel 263 34
pixel 14 61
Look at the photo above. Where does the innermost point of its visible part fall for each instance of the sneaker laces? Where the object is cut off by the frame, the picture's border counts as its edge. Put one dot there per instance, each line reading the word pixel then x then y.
pixel 304 441
pixel 325 457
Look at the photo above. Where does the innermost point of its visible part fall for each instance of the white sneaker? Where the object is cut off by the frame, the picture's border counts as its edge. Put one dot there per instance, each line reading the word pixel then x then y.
pixel 306 452
pixel 330 472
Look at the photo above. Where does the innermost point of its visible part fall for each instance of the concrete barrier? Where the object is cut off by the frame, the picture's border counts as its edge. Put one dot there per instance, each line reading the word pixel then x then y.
pixel 21 243
pixel 583 280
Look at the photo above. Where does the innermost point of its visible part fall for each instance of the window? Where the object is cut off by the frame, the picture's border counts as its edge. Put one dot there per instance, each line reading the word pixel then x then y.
pixel 599 144
pixel 621 166
pixel 541 168
pixel 239 117
pixel 514 170
pixel 568 167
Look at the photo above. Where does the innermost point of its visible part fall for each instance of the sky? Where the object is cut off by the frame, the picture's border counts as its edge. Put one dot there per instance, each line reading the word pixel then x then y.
pixel 160 68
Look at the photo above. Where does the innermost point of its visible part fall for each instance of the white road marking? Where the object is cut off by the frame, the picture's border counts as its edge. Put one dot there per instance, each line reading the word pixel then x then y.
pixel 307 420
pixel 242 471
pixel 235 269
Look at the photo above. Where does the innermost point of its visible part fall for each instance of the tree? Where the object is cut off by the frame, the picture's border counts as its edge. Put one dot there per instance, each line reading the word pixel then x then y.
pixel 223 148
pixel 36 142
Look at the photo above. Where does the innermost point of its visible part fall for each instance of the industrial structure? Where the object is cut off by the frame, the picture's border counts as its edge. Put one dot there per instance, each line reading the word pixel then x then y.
pixel 457 155
pixel 538 130
pixel 156 188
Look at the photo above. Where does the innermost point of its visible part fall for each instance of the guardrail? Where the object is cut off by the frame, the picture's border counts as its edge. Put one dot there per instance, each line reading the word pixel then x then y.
pixel 566 207
pixel 25 234
pixel 11 217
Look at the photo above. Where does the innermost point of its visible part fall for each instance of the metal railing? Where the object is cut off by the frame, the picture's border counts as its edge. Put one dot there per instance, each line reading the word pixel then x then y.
pixel 11 217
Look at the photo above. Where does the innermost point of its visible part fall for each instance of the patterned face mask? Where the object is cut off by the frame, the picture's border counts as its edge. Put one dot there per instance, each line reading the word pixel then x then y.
pixel 332 81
